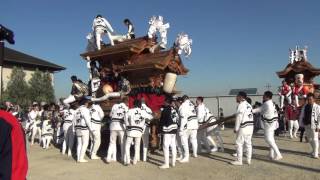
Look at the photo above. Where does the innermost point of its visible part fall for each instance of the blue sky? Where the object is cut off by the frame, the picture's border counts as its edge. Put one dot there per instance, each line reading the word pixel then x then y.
pixel 236 44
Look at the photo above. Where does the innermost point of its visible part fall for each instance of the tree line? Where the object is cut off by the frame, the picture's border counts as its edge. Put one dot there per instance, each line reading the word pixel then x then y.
pixel 38 89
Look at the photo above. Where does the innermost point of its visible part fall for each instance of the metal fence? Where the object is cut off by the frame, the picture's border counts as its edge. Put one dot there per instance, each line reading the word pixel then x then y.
pixel 228 103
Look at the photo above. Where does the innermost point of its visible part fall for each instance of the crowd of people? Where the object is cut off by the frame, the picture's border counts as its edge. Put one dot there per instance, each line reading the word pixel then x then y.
pixel 181 124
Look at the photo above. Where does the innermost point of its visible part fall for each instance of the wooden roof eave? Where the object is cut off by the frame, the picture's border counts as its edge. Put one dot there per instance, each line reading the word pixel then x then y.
pixel 99 54
pixel 130 46
pixel 283 74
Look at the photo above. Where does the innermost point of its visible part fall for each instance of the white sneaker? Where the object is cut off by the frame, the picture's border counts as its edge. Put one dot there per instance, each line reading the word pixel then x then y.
pixel 278 158
pixel 184 160
pixel 236 163
pixel 315 157
pixel 215 149
pixel 234 154
pixel 195 155
pixel 248 162
pixel 94 157
pixel 107 160
pixel 126 164
pixel 134 162
pixel 82 161
pixel 164 166
pixel 173 164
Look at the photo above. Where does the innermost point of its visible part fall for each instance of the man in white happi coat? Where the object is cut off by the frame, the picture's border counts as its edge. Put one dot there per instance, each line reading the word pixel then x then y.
pixel 100 26
pixel 34 123
pixel 188 128
pixel 205 135
pixel 135 122
pixel 146 131
pixel 68 130
pixel 117 131
pixel 243 128
pixel 270 124
pixel 310 120
pixel 83 129
pixel 97 115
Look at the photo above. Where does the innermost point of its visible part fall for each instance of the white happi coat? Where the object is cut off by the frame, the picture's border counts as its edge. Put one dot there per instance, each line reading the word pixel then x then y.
pixel 244 118
pixel 188 116
pixel 135 121
pixel 117 115
pixel 315 116
pixel 269 115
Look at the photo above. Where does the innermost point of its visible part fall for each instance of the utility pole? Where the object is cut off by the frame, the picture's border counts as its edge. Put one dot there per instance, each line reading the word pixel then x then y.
pixel 1 68
pixel 268 86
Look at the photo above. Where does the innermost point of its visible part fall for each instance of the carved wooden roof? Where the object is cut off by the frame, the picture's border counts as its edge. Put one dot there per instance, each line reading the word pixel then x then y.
pixel 134 55
pixel 161 60
pixel 303 67
pixel 121 50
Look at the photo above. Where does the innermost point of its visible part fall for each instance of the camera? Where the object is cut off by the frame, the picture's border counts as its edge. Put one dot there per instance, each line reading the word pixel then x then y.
pixel 6 34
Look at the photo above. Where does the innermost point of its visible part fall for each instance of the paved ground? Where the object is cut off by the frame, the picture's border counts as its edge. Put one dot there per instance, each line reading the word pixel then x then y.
pixel 297 164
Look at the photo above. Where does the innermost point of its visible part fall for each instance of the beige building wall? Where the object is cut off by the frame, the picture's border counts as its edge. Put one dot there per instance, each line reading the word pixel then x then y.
pixel 6 73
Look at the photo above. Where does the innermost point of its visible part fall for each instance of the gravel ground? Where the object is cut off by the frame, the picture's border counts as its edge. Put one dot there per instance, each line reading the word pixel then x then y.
pixel 296 164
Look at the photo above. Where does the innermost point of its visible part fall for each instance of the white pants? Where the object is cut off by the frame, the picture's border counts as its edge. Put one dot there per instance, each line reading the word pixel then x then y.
pixel 46 141
pixel 129 141
pixel 282 97
pixel 36 130
pixel 202 140
pixel 68 100
pixel 83 141
pixel 216 133
pixel 58 134
pixel 145 141
pixel 269 138
pixel 244 140
pixel 313 137
pixel 95 141
pixel 296 98
pixel 169 141
pixel 99 32
pixel 68 139
pixel 112 150
pixel 192 135
pixel 293 124
pixel 179 145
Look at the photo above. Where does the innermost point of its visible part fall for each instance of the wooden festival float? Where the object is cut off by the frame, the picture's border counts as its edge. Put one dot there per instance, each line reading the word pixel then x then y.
pixel 299 64
pixel 132 68
pixel 148 73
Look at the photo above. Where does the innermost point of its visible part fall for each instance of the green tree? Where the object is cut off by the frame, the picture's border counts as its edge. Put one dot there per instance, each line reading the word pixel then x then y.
pixel 17 88
pixel 41 89
pixel 48 87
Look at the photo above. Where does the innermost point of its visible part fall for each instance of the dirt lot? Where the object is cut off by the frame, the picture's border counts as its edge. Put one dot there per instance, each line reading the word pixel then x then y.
pixel 297 164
